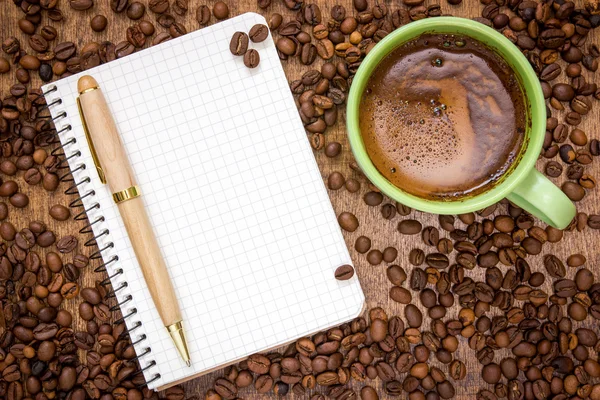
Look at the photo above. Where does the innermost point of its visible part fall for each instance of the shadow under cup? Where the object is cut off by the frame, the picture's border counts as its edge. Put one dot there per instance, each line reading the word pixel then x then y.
pixel 534 101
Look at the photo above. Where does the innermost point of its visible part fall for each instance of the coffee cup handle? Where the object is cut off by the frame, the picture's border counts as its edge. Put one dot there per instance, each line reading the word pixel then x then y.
pixel 540 197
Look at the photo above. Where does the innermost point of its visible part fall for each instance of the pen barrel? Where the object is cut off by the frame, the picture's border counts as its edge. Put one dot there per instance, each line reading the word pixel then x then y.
pixel 107 142
pixel 119 176
pixel 148 254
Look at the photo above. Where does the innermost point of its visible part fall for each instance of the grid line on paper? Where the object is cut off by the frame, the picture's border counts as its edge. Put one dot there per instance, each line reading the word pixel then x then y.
pixel 233 192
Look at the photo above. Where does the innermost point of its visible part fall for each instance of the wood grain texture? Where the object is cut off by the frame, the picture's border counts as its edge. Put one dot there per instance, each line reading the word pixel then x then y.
pixel 383 232
pixel 144 243
pixel 106 141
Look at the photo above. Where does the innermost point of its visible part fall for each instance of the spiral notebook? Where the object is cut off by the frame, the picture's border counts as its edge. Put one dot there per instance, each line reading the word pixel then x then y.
pixel 234 195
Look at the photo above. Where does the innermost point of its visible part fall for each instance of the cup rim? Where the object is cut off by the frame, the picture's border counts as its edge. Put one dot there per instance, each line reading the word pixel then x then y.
pixel 510 53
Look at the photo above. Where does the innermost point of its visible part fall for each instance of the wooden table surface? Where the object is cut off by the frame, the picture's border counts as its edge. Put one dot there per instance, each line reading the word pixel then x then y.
pixel 383 233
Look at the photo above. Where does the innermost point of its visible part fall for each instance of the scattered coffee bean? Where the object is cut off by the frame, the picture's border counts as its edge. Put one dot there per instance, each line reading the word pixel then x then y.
pixel 348 221
pixel 375 257
pixel 136 10
pixel 239 44
pixel 344 272
pixel 251 58
pixel 221 10
pixel 258 33
pixel 203 15
pixel 333 149
pixel 362 244
pixel 60 212
pixel 335 181
pixel 573 191
pixel 409 227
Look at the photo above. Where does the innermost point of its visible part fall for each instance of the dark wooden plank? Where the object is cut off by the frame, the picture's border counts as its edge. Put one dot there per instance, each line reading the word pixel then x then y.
pixel 383 232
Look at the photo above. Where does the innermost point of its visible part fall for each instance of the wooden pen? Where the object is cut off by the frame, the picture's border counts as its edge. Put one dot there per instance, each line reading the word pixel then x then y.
pixel 113 168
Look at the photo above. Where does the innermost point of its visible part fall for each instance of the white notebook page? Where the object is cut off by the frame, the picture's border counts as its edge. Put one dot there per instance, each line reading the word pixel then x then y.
pixel 234 194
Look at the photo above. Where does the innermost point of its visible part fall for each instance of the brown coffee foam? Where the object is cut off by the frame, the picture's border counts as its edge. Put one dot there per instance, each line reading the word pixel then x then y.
pixel 464 148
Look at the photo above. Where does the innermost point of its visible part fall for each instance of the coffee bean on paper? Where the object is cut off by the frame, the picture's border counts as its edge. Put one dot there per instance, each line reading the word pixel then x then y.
pixel 251 58
pixel 344 272
pixel 258 33
pixel 239 44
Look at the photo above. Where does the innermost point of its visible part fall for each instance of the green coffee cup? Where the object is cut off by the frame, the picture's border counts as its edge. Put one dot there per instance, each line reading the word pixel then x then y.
pixel 522 184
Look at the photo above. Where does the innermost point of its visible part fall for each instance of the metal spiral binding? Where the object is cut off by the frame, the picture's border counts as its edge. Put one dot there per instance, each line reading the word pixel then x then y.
pixel 75 189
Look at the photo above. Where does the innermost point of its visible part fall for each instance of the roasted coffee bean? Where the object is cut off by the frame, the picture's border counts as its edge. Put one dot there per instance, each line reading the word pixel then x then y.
pixel 348 221
pixel 26 26
pixel 135 10
pixel 430 236
pixel 581 105
pixel 203 15
pixel 554 266
pixel 45 72
pixel 286 45
pixel 563 92
pixel 135 36
pixel 400 295
pixel 575 171
pixel 225 388
pixel 344 272
pixel 258 33
pixel 409 227
pixel 38 43
pixel 576 260
pixel 147 28
pixel 553 169
pixel 437 260
pixel 360 5
pixel 3 211
pixel 4 65
pixel 373 198
pixel 573 191
pixel 158 6
pixel 59 212
pixel 396 275
pixel 418 279
pixel 375 257
pixel 312 14
pixel 567 153
pixel 390 254
pixel 166 20
pixel 251 58
pixel 19 200
pixel 67 244
pixel 550 72
pixel 29 62
pixel 123 49
pixel 335 180
pixel 221 10
pixel 413 316
pixel 388 211
pixel 81 5
pixel 416 257
pixel 362 244
pixel 578 137
pixel 573 118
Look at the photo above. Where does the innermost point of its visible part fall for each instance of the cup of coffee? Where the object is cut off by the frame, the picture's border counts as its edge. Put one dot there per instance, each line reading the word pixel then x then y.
pixel 446 115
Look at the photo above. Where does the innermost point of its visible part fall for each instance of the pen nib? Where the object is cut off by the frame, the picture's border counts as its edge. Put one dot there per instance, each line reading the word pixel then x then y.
pixel 176 331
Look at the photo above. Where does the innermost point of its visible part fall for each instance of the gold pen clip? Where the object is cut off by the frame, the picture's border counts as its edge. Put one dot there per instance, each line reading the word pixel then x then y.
pixel 90 143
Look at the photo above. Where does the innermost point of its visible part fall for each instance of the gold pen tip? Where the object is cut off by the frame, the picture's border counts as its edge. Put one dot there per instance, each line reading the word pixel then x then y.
pixel 188 363
pixel 86 82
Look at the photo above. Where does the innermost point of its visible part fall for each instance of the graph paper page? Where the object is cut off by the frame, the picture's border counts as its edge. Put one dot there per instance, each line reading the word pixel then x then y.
pixel 233 192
